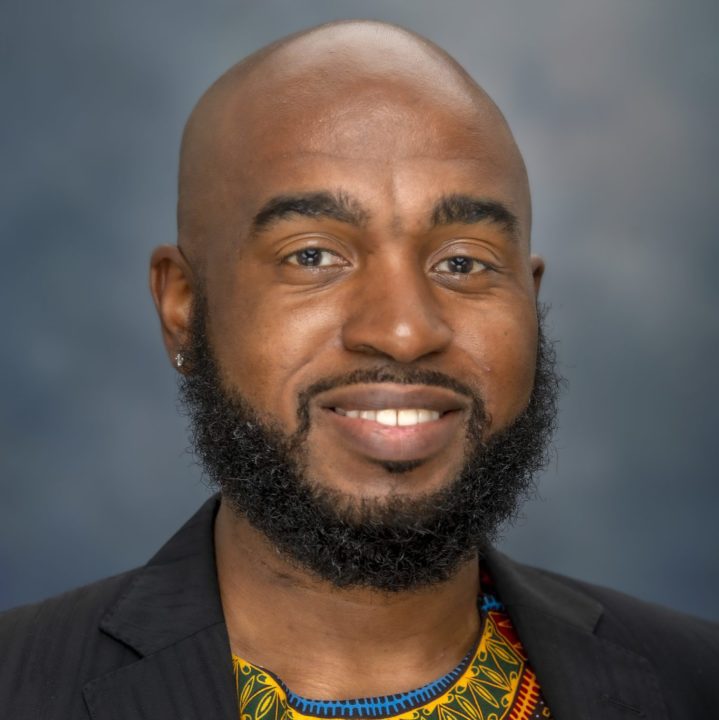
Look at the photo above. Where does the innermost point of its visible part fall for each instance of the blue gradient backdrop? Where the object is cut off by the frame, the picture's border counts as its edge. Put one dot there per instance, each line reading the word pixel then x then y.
pixel 615 107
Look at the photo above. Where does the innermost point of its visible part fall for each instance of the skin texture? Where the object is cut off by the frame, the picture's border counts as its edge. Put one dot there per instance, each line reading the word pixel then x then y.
pixel 389 122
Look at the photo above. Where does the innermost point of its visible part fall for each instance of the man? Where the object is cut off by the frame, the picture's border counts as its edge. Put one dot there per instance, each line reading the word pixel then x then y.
pixel 352 308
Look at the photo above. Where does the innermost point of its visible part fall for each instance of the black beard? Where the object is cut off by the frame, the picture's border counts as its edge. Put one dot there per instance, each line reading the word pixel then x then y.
pixel 390 544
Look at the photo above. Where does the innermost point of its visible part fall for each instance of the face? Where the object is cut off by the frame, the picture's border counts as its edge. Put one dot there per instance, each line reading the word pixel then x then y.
pixel 363 372
pixel 374 235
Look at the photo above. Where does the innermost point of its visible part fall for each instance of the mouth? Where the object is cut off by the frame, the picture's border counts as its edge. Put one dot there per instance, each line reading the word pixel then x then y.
pixel 388 422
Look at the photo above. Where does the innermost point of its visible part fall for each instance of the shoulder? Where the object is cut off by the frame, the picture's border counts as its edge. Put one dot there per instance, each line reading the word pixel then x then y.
pixel 628 619
pixel 682 650
pixel 57 643
pixel 84 599
pixel 52 650
pixel 607 612
pixel 66 613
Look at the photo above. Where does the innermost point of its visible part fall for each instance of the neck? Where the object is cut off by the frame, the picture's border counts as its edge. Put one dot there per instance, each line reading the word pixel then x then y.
pixel 330 643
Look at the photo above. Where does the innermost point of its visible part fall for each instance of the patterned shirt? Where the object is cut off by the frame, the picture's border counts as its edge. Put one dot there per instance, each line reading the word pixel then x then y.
pixel 493 682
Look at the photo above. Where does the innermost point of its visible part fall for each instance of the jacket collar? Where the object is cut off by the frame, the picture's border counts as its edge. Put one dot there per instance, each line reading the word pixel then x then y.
pixel 171 616
pixel 176 594
pixel 582 674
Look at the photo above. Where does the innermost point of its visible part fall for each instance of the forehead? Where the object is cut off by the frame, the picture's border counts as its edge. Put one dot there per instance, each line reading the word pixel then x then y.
pixel 384 150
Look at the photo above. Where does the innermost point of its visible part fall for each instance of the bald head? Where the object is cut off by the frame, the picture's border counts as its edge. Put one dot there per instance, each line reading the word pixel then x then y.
pixel 359 89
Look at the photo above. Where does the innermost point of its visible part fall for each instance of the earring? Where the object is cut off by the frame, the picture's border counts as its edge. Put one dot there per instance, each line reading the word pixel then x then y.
pixel 179 360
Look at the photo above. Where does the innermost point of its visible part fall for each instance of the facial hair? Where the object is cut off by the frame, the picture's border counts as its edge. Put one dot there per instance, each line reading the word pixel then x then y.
pixel 394 543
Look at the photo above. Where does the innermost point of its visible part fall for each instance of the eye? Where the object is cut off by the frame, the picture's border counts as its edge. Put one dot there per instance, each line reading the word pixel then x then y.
pixel 313 257
pixel 461 265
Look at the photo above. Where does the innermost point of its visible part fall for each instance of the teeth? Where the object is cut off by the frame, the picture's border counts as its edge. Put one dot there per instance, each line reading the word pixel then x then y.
pixel 407 417
pixel 402 418
pixel 424 416
pixel 387 417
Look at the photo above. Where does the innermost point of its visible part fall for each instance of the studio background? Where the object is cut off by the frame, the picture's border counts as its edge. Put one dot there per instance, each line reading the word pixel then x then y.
pixel 614 105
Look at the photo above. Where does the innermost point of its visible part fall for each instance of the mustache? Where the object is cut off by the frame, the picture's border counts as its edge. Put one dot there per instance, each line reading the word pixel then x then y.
pixel 400 375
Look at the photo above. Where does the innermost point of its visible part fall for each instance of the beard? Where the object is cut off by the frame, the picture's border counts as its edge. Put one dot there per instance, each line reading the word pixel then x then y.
pixel 393 543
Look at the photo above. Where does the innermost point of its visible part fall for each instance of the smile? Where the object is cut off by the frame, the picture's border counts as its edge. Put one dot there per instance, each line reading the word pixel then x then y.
pixel 400 417
pixel 394 422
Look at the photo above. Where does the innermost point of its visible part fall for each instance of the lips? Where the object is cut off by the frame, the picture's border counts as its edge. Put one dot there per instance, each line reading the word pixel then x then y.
pixel 393 422
pixel 382 396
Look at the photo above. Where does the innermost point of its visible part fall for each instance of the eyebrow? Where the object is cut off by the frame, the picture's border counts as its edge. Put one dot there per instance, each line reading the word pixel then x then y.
pixel 469 210
pixel 449 210
pixel 331 205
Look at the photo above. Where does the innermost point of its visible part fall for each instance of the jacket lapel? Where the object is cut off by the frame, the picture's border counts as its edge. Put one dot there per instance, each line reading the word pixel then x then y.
pixel 583 676
pixel 171 616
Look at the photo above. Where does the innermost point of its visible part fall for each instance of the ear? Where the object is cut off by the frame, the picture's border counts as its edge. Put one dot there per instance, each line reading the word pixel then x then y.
pixel 172 288
pixel 537 264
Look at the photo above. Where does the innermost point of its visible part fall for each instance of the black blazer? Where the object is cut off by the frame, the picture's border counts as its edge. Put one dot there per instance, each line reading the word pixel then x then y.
pixel 152 644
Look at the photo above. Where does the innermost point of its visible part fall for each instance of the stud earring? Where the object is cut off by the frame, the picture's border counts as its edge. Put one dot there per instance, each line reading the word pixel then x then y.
pixel 179 360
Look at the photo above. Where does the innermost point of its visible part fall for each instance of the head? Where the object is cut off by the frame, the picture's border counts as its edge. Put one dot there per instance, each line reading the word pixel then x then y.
pixel 354 292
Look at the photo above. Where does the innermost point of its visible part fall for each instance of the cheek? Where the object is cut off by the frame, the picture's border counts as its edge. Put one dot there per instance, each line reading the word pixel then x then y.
pixel 267 344
pixel 503 348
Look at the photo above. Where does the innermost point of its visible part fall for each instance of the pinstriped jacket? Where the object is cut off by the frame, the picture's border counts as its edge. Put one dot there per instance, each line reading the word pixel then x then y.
pixel 151 644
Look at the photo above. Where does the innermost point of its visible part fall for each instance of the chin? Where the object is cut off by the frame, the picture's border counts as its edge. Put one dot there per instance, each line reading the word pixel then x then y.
pixel 386 482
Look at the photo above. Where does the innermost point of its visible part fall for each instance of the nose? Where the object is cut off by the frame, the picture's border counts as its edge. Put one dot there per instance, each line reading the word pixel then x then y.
pixel 395 313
